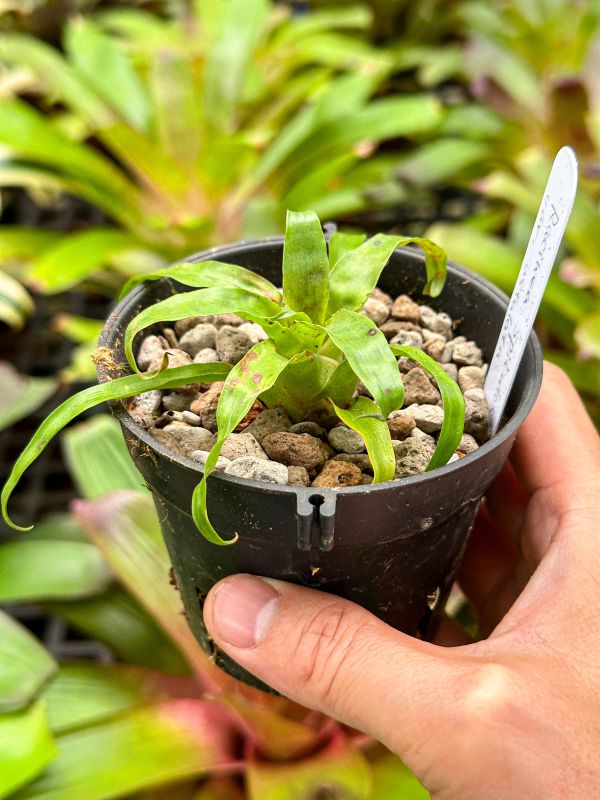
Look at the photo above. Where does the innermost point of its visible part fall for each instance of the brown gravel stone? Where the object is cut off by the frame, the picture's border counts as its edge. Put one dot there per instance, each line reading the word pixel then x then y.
pixel 418 388
pixel 295 450
pixel 405 308
pixel 393 327
pixel 383 297
pixel 255 411
pixel 400 425
pixel 362 460
pixel 338 473
pixel 205 406
pixel 298 476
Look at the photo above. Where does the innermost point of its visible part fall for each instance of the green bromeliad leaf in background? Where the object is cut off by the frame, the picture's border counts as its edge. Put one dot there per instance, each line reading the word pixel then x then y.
pixel 283 109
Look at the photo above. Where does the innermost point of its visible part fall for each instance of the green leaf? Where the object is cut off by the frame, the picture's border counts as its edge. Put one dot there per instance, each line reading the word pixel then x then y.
pixel 21 394
pixel 177 107
pixel 300 387
pixel 15 303
pixel 82 693
pixel 356 274
pixel 58 77
pixel 25 665
pixel 116 389
pixel 124 526
pixel 382 119
pixel 342 243
pixel 165 742
pixel 76 257
pixel 26 747
pixel 339 770
pixel 277 736
pixel 393 781
pixel 50 570
pixel 239 26
pixel 587 336
pixel 105 67
pixel 452 399
pixel 117 621
pixel 207 274
pixel 368 353
pixel 199 304
pixel 29 135
pixel 438 161
pixel 249 378
pixel 81 330
pixel 20 243
pixel 499 262
pixel 305 265
pixel 98 459
pixel 365 418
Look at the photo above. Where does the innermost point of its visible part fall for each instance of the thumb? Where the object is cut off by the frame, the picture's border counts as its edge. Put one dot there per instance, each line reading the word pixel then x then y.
pixel 332 655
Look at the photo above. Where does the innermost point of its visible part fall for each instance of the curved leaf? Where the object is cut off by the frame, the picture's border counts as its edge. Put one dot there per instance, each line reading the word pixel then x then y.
pixel 25 665
pixel 342 243
pixel 131 634
pixel 26 747
pixel 167 741
pixel 15 302
pixel 248 379
pixel 305 265
pixel 452 399
pixel 50 570
pixel 76 257
pixel 356 274
pixel 21 394
pixel 125 528
pixel 55 73
pixel 206 274
pixel 365 418
pixel 98 459
pixel 369 355
pixel 117 389
pixel 106 68
pixel 198 304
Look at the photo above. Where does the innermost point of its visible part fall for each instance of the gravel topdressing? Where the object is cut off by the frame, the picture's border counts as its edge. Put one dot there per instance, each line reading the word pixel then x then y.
pixel 267 445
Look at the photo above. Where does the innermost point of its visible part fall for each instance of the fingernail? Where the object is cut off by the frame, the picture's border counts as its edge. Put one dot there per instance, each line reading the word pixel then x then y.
pixel 243 609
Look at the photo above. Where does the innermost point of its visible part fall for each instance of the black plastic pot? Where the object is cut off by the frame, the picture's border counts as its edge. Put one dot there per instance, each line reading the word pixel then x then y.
pixel 394 548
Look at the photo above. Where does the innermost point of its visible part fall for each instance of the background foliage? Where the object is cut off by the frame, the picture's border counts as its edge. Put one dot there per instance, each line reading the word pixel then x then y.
pixel 133 133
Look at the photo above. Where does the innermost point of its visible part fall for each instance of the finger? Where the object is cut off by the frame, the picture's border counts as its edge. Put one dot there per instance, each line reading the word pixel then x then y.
pixel 332 655
pixel 506 501
pixel 557 448
pixel 488 574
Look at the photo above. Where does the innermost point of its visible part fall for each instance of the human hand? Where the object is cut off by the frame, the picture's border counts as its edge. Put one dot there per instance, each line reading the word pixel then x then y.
pixel 515 715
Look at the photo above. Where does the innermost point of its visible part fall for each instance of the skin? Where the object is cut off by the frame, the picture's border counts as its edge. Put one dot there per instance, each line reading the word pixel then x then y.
pixel 513 715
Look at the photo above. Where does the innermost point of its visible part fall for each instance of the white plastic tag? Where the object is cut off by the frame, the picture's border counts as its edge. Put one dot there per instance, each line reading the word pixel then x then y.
pixel 544 242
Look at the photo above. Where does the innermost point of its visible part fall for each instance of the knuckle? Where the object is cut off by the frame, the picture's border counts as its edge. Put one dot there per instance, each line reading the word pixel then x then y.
pixel 326 642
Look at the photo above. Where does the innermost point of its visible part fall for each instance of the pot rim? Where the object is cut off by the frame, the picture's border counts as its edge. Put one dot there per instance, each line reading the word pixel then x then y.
pixel 510 427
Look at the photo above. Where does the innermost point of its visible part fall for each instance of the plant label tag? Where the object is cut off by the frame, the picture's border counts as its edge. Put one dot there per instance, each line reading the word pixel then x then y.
pixel 535 271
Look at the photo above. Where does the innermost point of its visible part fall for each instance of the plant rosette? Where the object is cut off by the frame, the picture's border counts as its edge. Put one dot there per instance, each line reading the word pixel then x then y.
pixel 333 433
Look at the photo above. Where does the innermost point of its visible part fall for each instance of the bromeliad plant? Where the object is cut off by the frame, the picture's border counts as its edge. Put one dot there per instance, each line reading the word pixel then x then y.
pixel 319 348
pixel 163 722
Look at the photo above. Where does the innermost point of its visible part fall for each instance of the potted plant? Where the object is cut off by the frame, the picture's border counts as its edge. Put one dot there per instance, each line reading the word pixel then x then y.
pixel 392 543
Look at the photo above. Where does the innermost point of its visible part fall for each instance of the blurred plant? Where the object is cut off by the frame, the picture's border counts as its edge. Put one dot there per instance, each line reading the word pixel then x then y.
pixel 21 394
pixel 190 132
pixel 537 77
pixel 166 724
pixel 45 18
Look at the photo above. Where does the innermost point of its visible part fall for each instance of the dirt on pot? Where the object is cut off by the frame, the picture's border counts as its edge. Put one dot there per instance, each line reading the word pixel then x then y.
pixel 267 446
